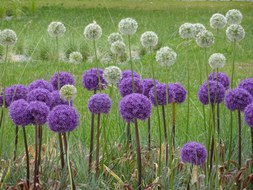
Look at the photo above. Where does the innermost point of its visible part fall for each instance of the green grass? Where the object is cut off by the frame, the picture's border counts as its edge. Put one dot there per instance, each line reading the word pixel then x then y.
pixel 30 24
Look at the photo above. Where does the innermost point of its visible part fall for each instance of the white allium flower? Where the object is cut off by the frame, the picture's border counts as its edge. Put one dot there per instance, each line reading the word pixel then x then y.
pixel 56 29
pixel 217 60
pixel 68 92
pixel 92 31
pixel 205 39
pixel 118 48
pixel 149 39
pixel 128 26
pixel 113 37
pixel 218 21
pixel 198 28
pixel 112 75
pixel 187 30
pixel 75 57
pixel 234 16
pixel 165 56
pixel 8 37
pixel 235 32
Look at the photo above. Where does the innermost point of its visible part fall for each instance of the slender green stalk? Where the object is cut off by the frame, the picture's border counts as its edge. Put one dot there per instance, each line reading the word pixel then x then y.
pixel 129 139
pixel 61 150
pixel 40 145
pixel 16 144
pixel 96 61
pixel 251 132
pixel 97 148
pixel 165 136
pixel 233 65
pixel 131 62
pixel 188 103
pixel 138 152
pixel 35 178
pixel 173 132
pixel 27 158
pixel 239 146
pixel 149 134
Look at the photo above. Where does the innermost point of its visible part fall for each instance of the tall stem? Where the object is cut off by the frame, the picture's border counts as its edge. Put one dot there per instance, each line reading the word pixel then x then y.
pixel 36 159
pixel 97 148
pixel 129 139
pixel 165 136
pixel 251 130
pixel 239 140
pixel 61 150
pixel 27 158
pixel 40 145
pixel 130 58
pixel 188 103
pixel 149 134
pixel 233 65
pixel 138 152
pixel 173 125
pixel 16 144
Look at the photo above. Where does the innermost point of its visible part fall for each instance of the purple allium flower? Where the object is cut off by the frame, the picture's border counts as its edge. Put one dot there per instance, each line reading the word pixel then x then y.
pixel 56 99
pixel 38 112
pixel 217 93
pixel 161 94
pixel 135 106
pixel 126 86
pixel 194 153
pixel 91 78
pixel 40 94
pixel 179 92
pixel 41 83
pixel 99 103
pixel 248 115
pixel 237 99
pixel 62 119
pixel 147 85
pixel 15 92
pixel 128 73
pixel 247 84
pixel 65 78
pixel 19 113
pixel 222 78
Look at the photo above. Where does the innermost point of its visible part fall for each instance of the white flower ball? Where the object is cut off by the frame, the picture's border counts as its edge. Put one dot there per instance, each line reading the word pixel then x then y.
pixel 205 39
pixel 217 60
pixel 113 37
pixel 128 26
pixel 234 16
pixel 68 92
pixel 218 21
pixel 75 57
pixel 235 32
pixel 198 28
pixel 92 31
pixel 56 29
pixel 118 48
pixel 8 37
pixel 166 56
pixel 187 31
pixel 112 75
pixel 149 39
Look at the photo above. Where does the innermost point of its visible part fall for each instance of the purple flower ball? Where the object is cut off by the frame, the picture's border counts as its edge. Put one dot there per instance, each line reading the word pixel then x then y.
pixel 41 83
pixel 135 106
pixel 126 86
pixel 99 103
pixel 179 92
pixel 128 73
pixel 248 115
pixel 194 153
pixel 161 95
pixel 65 78
pixel 217 93
pixel 222 78
pixel 40 94
pixel 15 92
pixel 38 112
pixel 247 84
pixel 237 99
pixel 19 114
pixel 56 99
pixel 147 85
pixel 62 119
pixel 92 77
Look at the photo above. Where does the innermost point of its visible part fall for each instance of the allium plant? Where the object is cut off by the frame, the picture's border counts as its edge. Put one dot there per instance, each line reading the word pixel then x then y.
pixel 114 37
pixel 56 99
pixel 15 92
pixel 235 33
pixel 234 16
pixel 149 40
pixel 58 80
pixel 222 78
pixel 166 56
pixel 247 84
pixel 217 61
pixel 187 31
pixel 118 48
pixel 68 92
pixel 218 21
pixel 92 31
pixel 125 86
pixel 75 57
pixel 205 39
pixel 248 119
pixel 93 80
pixel 40 94
pixel 41 83
pixel 112 75
pixel 198 28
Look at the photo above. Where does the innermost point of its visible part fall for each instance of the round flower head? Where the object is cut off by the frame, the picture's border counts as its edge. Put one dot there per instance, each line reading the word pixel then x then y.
pixel 40 94
pixel 237 99
pixel 126 86
pixel 118 48
pixel 91 79
pixel 187 30
pixel 19 113
pixel 235 32
pixel 38 112
pixel 205 39
pixel 15 92
pixel 217 93
pixel 62 119
pixel 193 153
pixel 161 95
pixel 222 78
pixel 234 16
pixel 68 92
pixel 114 37
pixel 56 99
pixel 56 29
pixel 166 56
pixel 112 75
pixel 135 106
pixel 99 103
pixel 179 92
pixel 147 85
pixel 8 37
pixel 41 84
pixel 128 73
pixel 128 26
pixel 62 78
pixel 75 57
pixel 248 115
pixel 198 28
pixel 247 84
pixel 217 60
pixel 149 39
pixel 92 31
pixel 218 21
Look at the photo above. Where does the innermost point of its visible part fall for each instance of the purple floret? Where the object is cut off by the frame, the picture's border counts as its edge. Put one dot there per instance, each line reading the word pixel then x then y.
pixel 63 118
pixel 222 78
pixel 248 115
pixel 217 93
pixel 92 77
pixel 40 94
pixel 247 84
pixel 41 83
pixel 99 103
pixel 193 153
pixel 147 85
pixel 135 106
pixel 56 99
pixel 63 79
pixel 38 112
pixel 126 86
pixel 128 73
pixel 179 92
pixel 15 92
pixel 237 99
pixel 161 95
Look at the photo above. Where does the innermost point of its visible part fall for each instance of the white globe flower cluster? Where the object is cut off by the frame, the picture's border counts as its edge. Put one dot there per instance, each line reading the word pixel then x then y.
pixel 218 21
pixel 165 56
pixel 235 32
pixel 8 37
pixel 75 57
pixel 187 31
pixel 113 37
pixel 205 39
pixel 198 27
pixel 118 48
pixel 128 26
pixel 56 29
pixel 92 31
pixel 149 39
pixel 112 75
pixel 68 92
pixel 217 61
pixel 234 16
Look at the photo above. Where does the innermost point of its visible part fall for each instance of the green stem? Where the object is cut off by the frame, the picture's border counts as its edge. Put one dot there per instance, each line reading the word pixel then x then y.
pixel 27 159
pixel 165 137
pixel 138 152
pixel 130 58
pixel 16 144
pixel 97 148
pixel 233 65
